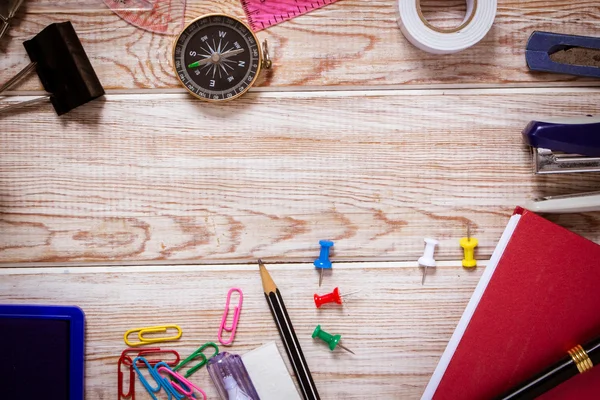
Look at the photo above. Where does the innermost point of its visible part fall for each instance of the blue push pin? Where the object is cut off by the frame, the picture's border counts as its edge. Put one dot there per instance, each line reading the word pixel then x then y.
pixel 323 261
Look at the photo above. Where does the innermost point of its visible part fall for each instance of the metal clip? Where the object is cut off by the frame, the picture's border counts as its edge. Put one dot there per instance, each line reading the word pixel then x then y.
pixel 126 359
pixel 173 363
pixel 157 378
pixel 197 354
pixel 546 161
pixel 131 390
pixel 151 329
pixel 179 383
pixel 64 69
pixel 11 10
pixel 236 318
pixel 266 62
pixel 166 383
pixel 13 81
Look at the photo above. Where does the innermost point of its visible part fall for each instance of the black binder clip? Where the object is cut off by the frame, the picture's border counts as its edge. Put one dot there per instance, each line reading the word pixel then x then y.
pixel 63 67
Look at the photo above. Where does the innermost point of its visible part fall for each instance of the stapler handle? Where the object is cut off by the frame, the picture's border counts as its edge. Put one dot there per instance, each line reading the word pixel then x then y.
pixel 573 138
pixel 542 45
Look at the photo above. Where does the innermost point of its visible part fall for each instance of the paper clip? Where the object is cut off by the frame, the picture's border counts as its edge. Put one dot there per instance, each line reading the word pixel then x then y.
pixel 131 391
pixel 236 318
pixel 196 354
pixel 188 391
pixel 157 378
pixel 173 363
pixel 171 391
pixel 151 329
pixel 125 359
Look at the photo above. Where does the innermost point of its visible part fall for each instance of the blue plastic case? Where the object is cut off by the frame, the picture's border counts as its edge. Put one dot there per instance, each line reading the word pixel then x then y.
pixel 23 318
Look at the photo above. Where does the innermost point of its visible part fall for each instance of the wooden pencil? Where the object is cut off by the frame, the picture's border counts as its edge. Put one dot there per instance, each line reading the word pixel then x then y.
pixel 288 336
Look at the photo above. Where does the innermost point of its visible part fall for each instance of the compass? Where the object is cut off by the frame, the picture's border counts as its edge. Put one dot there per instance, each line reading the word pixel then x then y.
pixel 218 57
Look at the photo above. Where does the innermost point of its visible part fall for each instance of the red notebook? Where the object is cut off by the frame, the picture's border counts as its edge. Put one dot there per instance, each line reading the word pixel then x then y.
pixel 538 297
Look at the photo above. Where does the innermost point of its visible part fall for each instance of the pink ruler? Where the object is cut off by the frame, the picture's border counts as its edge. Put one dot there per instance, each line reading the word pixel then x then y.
pixel 265 13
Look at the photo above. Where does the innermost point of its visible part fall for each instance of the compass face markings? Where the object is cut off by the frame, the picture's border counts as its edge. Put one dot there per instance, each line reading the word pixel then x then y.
pixel 216 57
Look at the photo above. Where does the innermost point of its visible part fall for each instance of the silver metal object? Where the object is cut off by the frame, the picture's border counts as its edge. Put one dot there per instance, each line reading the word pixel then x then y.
pixel 8 9
pixel 546 161
pixel 266 63
pixel 13 81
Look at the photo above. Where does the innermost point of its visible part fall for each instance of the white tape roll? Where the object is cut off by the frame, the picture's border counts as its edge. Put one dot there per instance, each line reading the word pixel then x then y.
pixel 478 21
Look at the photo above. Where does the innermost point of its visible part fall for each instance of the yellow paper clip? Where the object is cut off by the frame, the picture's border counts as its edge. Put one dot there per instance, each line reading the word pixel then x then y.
pixel 151 329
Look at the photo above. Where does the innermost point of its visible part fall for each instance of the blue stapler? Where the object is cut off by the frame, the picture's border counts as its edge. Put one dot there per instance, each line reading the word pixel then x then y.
pixel 542 45
pixel 561 146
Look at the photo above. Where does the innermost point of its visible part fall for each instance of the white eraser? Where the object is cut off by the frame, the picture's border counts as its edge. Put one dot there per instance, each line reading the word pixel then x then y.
pixel 269 373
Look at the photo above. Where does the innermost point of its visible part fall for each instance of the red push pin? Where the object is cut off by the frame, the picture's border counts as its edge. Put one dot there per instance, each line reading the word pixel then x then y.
pixel 333 297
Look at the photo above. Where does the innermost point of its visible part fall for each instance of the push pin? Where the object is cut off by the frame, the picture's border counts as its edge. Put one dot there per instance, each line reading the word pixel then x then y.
pixel 468 244
pixel 332 340
pixel 323 261
pixel 333 297
pixel 427 259
pixel 63 67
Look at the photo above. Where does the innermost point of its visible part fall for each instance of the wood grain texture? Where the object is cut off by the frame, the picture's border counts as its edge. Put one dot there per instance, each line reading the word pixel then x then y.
pixel 161 178
pixel 402 331
pixel 349 43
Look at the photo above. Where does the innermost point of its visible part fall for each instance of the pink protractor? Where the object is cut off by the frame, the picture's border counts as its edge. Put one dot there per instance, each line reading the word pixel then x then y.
pixel 158 16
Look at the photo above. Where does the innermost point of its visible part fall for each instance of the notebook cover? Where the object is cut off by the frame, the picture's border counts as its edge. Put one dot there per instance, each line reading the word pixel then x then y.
pixel 542 299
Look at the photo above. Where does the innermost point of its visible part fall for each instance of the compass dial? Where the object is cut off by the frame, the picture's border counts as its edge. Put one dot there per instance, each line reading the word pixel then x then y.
pixel 217 57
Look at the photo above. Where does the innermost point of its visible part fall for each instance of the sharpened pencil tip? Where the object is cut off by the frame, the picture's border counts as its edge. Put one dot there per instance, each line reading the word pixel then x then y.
pixel 267 281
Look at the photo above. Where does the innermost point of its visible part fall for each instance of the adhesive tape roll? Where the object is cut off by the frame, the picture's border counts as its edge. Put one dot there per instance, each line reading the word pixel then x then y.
pixel 478 21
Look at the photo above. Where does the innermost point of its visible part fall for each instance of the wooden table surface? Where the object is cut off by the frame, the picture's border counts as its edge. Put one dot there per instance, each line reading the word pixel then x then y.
pixel 146 206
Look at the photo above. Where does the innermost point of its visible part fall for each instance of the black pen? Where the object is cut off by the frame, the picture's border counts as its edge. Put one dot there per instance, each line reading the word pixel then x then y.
pixel 580 359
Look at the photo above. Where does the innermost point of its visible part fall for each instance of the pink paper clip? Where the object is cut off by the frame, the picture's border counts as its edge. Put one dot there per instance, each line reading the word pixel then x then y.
pixel 189 394
pixel 236 318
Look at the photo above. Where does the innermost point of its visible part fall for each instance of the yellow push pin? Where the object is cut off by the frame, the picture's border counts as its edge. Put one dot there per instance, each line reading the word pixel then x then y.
pixel 468 244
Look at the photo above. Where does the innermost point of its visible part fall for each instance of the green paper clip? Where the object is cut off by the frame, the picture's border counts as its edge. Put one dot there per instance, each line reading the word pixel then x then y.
pixel 196 354
pixel 332 340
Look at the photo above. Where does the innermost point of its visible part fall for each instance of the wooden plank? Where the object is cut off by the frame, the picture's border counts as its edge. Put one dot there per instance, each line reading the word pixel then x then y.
pixel 349 43
pixel 162 178
pixel 403 330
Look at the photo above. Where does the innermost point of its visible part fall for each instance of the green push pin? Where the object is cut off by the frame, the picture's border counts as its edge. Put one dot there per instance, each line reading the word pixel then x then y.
pixel 332 340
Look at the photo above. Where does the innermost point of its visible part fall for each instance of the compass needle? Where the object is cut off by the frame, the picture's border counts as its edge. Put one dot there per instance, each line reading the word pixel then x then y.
pixel 208 52
pixel 231 53
pixel 204 61
pixel 217 57
pixel 223 67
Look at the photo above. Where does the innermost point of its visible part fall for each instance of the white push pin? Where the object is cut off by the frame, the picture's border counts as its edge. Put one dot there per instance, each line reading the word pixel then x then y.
pixel 427 259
